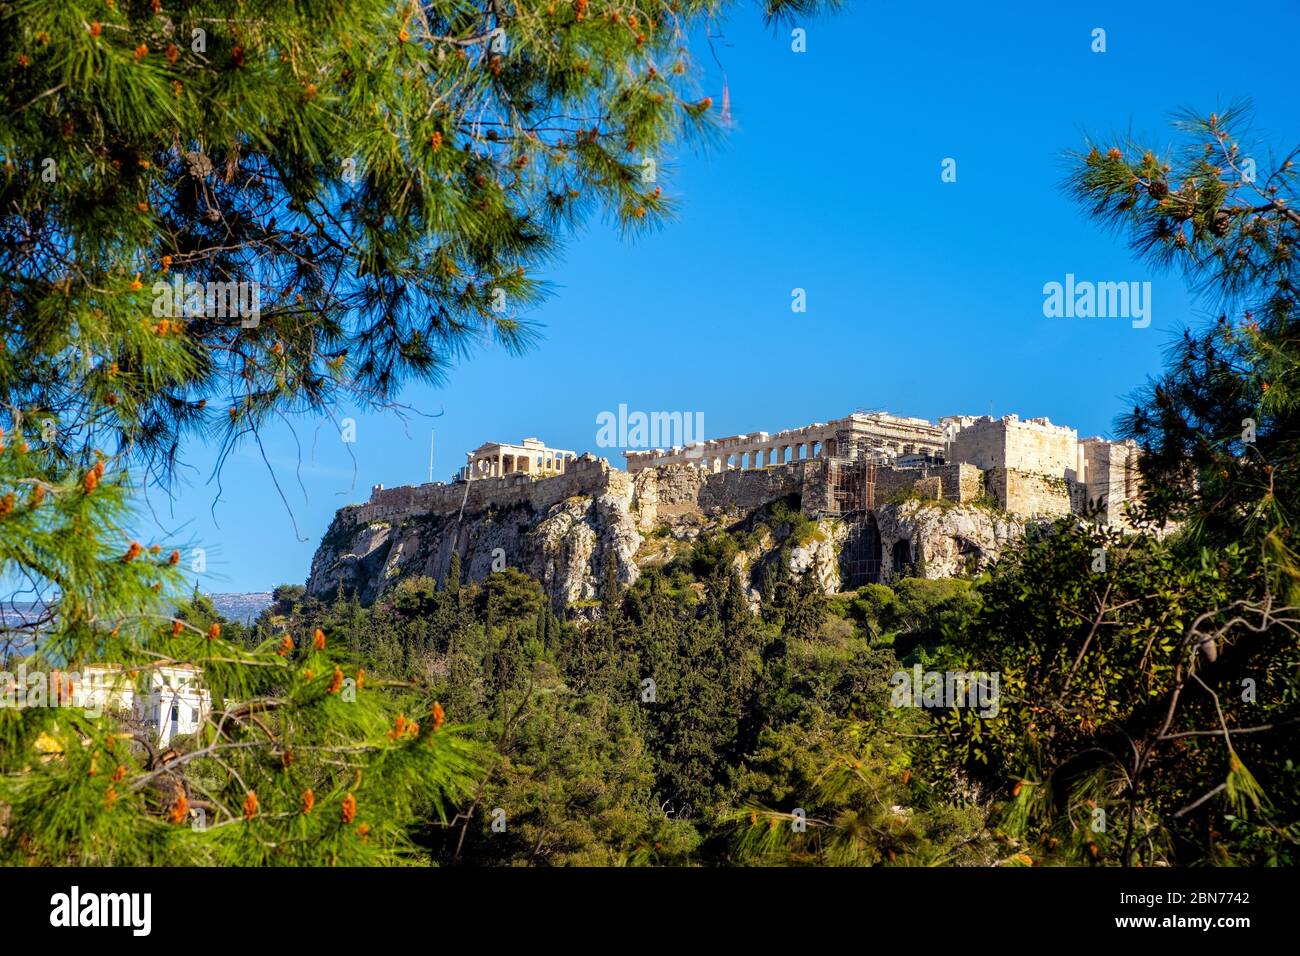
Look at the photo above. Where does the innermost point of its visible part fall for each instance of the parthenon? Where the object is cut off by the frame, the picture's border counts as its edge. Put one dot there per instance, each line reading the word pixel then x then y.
pixel 874 436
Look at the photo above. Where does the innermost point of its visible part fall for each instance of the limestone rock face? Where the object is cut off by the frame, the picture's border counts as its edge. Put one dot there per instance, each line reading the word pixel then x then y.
pixel 351 561
pixel 819 556
pixel 563 546
pixel 942 540
pixel 562 530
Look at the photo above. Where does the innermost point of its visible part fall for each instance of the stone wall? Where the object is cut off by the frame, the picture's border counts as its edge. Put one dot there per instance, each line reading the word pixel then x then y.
pixel 1112 476
pixel 958 481
pixel 584 476
pixel 1035 445
pixel 1031 495
pixel 673 490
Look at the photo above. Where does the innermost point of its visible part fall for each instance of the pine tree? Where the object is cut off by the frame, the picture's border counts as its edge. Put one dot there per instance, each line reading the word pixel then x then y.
pixel 1220 429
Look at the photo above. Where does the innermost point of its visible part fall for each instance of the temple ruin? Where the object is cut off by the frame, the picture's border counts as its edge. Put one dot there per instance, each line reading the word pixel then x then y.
pixel 862 435
pixel 531 456
pixel 1030 468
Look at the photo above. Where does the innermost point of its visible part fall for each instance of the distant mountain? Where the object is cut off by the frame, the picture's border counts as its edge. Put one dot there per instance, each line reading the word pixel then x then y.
pixel 241 607
pixel 233 607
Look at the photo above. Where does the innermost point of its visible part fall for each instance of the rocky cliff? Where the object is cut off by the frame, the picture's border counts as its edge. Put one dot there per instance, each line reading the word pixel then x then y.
pixel 563 530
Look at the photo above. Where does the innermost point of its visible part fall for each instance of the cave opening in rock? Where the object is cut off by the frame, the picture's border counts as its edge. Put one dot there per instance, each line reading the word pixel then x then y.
pixel 902 558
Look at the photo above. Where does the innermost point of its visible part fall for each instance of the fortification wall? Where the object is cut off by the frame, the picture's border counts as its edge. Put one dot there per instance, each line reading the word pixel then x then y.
pixel 1032 495
pixel 956 481
pixel 1042 448
pixel 668 490
pixel 1035 445
pixel 746 490
pixel 1112 475
pixel 584 476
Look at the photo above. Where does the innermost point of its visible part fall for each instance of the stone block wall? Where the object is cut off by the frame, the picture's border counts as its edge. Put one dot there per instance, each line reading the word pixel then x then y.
pixel 1035 445
pixel 1031 495
pixel 1112 475
pixel 677 489
pixel 957 481
pixel 584 476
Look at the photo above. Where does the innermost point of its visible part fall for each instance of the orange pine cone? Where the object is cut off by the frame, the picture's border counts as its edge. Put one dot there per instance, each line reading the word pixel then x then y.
pixel 438 716
pixel 349 808
pixel 180 810
pixel 38 495
pixel 6 505
pixel 177 627
pixel 110 797
pixel 133 552
pixel 214 631
pixel 250 805
pixel 318 640
pixel 90 482
pixel 336 682
pixel 286 645
pixel 308 800
pixel 174 558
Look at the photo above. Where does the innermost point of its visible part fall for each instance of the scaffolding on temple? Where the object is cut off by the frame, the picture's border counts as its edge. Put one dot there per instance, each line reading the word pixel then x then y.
pixel 851 481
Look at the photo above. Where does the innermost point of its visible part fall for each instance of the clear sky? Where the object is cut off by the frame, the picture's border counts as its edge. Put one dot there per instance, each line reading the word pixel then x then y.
pixel 923 298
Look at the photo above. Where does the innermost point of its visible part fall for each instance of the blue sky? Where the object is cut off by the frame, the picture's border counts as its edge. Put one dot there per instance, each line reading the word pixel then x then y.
pixel 923 297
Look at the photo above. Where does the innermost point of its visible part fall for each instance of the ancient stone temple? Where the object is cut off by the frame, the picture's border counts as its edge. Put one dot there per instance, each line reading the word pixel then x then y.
pixel 531 457
pixel 862 435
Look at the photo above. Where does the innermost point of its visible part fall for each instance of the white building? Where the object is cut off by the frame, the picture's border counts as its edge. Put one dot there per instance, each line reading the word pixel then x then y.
pixel 531 457
pixel 175 703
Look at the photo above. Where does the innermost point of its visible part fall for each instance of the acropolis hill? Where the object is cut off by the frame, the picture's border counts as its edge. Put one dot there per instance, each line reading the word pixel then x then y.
pixel 891 496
